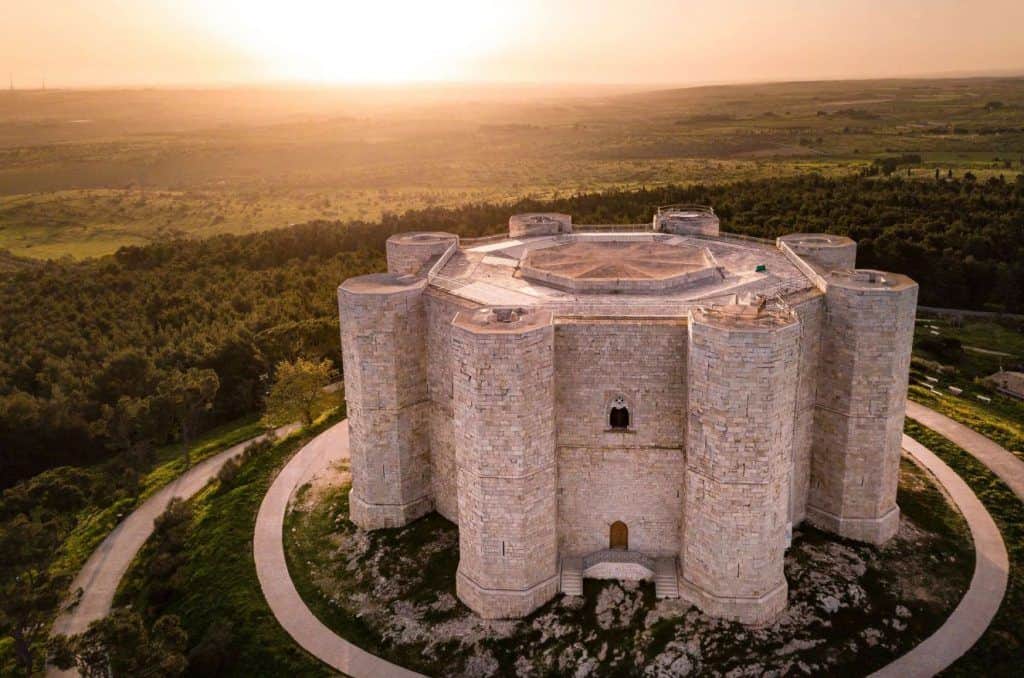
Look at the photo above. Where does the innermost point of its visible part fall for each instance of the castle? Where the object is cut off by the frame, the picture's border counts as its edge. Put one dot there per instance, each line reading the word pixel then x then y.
pixel 642 401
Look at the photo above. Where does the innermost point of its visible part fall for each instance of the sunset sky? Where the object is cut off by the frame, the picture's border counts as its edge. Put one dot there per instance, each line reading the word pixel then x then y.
pixel 211 42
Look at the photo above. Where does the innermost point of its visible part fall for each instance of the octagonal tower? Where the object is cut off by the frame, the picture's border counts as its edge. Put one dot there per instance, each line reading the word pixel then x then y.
pixel 504 399
pixel 409 253
pixel 686 220
pixel 861 400
pixel 383 325
pixel 742 386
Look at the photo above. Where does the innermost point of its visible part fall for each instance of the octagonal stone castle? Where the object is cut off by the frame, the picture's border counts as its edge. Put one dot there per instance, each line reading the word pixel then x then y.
pixel 645 401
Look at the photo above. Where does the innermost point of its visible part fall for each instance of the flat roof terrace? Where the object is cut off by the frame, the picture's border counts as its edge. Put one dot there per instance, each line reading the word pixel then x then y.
pixel 619 265
pixel 617 274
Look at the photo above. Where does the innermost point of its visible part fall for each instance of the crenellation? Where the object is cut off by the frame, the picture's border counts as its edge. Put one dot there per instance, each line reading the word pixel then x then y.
pixel 566 395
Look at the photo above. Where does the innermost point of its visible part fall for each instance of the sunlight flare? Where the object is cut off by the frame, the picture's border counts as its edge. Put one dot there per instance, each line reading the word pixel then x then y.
pixel 323 41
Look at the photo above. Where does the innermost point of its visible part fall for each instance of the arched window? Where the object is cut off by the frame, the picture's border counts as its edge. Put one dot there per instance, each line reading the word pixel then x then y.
pixel 618 415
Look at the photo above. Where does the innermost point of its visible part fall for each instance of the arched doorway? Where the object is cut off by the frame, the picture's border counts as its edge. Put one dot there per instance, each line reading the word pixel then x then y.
pixel 618 537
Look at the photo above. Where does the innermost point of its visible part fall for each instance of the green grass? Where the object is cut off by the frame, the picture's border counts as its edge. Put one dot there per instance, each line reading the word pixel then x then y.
pixel 1002 419
pixel 94 524
pixel 218 577
pixel 1000 650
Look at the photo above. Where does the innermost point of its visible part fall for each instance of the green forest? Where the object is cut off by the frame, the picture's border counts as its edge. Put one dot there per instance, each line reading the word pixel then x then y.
pixel 108 365
pixel 95 355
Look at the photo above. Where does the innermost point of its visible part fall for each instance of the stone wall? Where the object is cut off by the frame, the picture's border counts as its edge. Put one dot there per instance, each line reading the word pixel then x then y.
pixel 811 312
pixel 642 487
pixel 635 475
pixel 828 252
pixel 409 253
pixel 383 326
pixel 441 310
pixel 742 389
pixel 504 401
pixel 861 398
pixel 695 221
pixel 542 223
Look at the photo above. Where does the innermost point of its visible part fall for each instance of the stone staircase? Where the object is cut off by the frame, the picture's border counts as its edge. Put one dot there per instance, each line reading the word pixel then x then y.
pixel 572 576
pixel 666 580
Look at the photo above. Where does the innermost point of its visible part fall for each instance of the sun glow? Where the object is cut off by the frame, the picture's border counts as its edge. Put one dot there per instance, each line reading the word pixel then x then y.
pixel 383 41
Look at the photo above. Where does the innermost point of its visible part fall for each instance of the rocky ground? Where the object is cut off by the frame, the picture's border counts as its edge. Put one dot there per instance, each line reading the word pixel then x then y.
pixel 851 608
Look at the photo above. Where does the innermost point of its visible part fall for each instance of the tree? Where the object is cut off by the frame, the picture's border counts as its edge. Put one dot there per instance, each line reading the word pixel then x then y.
pixel 28 594
pixel 298 387
pixel 120 645
pixel 187 396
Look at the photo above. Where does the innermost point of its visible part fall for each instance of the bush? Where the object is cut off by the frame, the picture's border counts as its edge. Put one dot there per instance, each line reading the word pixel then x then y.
pixel 229 471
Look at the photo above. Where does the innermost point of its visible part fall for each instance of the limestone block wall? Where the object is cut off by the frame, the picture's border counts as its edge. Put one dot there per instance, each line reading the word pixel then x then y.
pixel 641 486
pixel 811 312
pixel 634 475
pixel 383 325
pixel 543 223
pixel 441 309
pixel 742 388
pixel 687 220
pixel 861 399
pixel 504 395
pixel 409 253
pixel 827 251
pixel 643 360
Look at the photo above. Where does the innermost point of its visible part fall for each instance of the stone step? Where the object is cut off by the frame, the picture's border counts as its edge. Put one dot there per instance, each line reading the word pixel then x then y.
pixel 572 576
pixel 666 580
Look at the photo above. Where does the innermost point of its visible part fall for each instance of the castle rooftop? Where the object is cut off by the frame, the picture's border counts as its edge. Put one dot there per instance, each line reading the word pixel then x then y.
pixel 619 273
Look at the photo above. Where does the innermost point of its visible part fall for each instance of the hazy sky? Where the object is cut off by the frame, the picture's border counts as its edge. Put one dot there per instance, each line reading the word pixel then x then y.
pixel 209 42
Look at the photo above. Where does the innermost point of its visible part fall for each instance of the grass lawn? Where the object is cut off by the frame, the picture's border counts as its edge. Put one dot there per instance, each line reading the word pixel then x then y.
pixel 941 367
pixel 1000 650
pixel 211 584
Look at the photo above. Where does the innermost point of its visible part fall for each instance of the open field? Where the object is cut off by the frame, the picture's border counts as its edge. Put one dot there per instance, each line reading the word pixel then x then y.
pixel 83 172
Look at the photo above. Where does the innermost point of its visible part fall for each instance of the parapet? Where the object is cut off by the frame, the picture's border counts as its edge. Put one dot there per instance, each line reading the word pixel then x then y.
pixel 830 252
pixel 686 220
pixel 409 253
pixel 869 281
pixel 382 284
pixel 503 320
pixel 539 223
pixel 751 317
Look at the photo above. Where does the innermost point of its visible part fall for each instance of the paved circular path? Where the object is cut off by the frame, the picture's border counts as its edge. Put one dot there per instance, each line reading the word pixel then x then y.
pixel 979 605
pixel 102 572
pixel 957 635
pixel 272 568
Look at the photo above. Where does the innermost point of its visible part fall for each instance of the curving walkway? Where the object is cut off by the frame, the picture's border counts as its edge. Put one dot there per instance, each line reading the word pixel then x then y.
pixel 102 572
pixel 955 637
pixel 985 594
pixel 272 568
pixel 997 458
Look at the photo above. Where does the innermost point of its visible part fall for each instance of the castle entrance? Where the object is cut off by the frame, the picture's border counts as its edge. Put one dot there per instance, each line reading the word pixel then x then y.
pixel 618 537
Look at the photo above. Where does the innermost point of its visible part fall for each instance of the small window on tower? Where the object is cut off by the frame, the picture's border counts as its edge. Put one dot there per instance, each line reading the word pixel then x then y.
pixel 618 416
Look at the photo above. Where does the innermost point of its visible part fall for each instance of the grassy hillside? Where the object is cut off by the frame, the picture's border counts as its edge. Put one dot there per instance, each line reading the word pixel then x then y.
pixel 82 173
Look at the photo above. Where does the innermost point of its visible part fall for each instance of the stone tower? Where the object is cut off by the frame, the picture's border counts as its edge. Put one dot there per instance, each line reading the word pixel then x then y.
pixel 382 329
pixel 742 386
pixel 504 398
pixel 686 220
pixel 861 398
